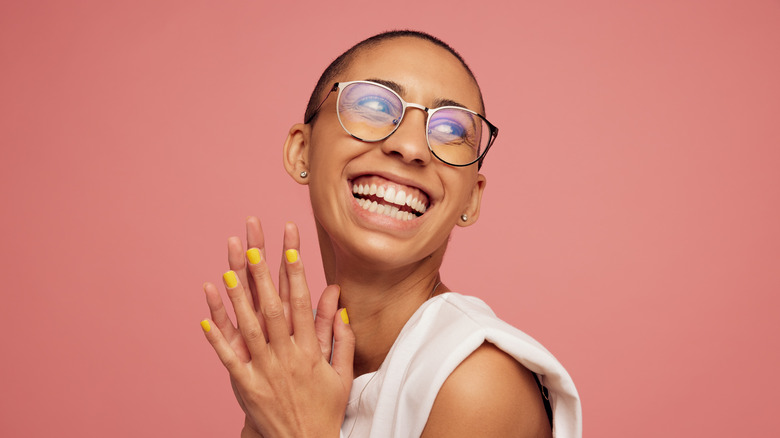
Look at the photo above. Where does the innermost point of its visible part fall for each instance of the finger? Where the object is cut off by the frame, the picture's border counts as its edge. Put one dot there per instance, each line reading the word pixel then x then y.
pixel 218 312
pixel 284 289
pixel 254 256
pixel 248 324
pixel 254 239
pixel 323 321
pixel 300 299
pixel 226 354
pixel 237 263
pixel 291 241
pixel 271 307
pixel 343 347
pixel 254 234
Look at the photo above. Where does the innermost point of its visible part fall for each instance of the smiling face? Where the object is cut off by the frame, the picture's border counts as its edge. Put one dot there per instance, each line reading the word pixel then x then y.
pixel 389 202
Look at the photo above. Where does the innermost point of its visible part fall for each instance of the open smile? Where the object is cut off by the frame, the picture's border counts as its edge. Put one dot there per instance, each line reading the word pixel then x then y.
pixel 381 196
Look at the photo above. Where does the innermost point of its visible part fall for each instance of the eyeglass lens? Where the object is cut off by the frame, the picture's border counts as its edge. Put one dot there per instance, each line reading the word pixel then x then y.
pixel 371 113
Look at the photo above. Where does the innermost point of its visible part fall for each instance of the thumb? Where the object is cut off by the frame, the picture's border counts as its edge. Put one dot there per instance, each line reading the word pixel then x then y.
pixel 343 347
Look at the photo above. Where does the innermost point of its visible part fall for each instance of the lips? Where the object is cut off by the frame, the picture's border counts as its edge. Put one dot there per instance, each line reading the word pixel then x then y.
pixel 381 196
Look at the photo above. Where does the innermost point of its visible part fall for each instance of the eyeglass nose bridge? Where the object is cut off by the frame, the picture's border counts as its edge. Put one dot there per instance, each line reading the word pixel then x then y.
pixel 418 106
pixel 423 108
pixel 403 115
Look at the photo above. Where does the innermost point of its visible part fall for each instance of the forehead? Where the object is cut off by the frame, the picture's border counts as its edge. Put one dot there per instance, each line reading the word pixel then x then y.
pixel 427 72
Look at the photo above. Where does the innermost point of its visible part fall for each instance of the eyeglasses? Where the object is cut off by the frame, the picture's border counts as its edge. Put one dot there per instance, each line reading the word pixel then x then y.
pixel 372 112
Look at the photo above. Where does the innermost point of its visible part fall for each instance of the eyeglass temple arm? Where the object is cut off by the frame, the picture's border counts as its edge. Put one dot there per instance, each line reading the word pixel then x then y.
pixel 316 110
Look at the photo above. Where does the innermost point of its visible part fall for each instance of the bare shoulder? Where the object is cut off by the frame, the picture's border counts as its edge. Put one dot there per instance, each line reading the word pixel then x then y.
pixel 488 394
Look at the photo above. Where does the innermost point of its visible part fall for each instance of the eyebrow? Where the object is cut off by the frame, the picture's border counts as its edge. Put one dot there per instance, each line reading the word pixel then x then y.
pixel 398 88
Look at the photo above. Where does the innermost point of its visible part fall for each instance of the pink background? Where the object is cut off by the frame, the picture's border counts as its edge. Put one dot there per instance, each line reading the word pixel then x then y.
pixel 630 222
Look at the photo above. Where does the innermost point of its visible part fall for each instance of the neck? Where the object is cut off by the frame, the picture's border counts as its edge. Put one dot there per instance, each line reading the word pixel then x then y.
pixel 379 301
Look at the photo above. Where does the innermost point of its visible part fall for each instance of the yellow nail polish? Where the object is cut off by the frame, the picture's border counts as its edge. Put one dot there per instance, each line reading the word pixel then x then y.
pixel 344 316
pixel 230 279
pixel 253 254
pixel 205 325
pixel 292 255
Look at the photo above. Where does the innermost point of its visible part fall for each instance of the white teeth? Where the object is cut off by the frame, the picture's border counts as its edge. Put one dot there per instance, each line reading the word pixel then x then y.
pixel 387 210
pixel 400 198
pixel 390 195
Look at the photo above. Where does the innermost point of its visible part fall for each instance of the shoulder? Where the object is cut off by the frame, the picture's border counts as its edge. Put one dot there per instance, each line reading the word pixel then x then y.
pixel 488 394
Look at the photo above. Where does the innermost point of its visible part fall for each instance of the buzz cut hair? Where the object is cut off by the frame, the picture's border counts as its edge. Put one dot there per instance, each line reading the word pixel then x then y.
pixel 343 61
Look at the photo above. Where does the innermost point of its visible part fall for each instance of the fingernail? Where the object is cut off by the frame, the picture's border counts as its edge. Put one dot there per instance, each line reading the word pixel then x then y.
pixel 205 325
pixel 253 254
pixel 230 279
pixel 292 255
pixel 344 316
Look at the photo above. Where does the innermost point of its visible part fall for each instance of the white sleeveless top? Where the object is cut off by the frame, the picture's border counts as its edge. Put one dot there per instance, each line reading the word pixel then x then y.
pixel 395 400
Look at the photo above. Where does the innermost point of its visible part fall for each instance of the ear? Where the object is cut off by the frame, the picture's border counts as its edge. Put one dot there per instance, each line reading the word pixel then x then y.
pixel 474 202
pixel 296 152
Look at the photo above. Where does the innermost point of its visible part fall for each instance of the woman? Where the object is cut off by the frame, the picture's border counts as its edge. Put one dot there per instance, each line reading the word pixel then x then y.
pixel 393 138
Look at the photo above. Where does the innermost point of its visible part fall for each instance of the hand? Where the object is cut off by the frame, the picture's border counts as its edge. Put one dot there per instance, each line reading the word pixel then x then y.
pixel 278 358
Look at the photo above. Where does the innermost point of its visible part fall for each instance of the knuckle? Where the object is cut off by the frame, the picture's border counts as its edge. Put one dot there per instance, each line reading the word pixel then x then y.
pixel 253 334
pixel 273 311
pixel 299 302
pixel 230 363
pixel 313 358
pixel 322 322
pixel 221 320
pixel 236 262
pixel 236 296
pixel 260 271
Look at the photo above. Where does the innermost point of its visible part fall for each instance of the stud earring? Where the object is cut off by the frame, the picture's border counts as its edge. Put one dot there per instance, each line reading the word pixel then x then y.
pixel 304 174
pixel 464 218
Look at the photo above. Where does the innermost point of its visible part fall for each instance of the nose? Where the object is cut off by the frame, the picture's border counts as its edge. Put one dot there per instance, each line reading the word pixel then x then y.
pixel 409 142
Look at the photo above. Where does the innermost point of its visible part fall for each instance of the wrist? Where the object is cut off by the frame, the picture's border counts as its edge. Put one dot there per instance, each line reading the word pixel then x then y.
pixel 249 431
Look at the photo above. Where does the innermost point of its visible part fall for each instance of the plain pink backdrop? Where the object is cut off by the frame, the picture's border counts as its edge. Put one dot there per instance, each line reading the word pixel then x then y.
pixel 630 221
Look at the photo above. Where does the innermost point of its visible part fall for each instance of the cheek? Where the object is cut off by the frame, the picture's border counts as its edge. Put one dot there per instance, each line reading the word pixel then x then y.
pixel 461 187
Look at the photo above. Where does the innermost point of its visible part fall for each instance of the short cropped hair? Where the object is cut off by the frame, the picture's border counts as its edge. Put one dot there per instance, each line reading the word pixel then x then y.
pixel 342 62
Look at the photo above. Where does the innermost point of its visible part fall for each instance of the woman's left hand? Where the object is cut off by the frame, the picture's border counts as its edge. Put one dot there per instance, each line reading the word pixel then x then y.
pixel 279 367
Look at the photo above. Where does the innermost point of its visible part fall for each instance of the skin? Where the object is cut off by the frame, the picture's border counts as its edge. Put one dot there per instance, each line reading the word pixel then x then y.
pixel 385 269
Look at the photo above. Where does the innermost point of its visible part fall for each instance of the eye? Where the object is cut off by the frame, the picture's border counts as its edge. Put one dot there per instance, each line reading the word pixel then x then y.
pixel 369 103
pixel 373 103
pixel 447 130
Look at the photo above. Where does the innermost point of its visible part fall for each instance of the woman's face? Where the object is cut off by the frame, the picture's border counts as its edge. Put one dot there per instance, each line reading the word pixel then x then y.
pixel 338 163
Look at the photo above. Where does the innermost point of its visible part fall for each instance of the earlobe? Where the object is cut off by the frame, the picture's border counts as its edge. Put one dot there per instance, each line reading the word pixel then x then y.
pixel 296 153
pixel 471 213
